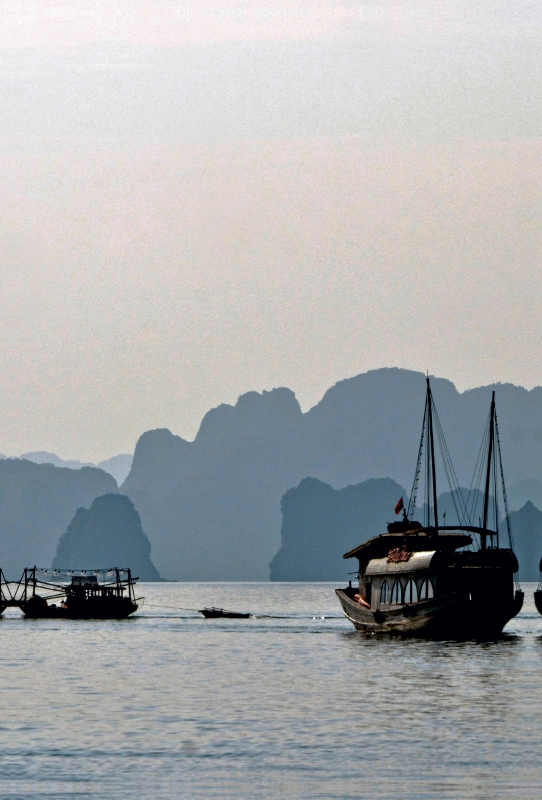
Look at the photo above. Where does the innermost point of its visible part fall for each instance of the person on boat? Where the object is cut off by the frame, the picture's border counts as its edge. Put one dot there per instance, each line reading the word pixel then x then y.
pixel 362 601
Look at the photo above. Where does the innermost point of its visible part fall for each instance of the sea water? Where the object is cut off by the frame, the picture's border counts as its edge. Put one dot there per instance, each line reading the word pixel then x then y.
pixel 291 704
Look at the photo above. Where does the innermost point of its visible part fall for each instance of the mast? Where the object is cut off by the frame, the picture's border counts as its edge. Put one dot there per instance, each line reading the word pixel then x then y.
pixel 488 468
pixel 432 452
pixel 414 491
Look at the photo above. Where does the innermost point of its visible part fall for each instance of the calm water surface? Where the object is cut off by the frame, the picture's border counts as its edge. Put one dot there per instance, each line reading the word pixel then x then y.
pixel 295 705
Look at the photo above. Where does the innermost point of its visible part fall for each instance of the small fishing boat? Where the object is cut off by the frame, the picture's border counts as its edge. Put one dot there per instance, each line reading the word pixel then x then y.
pixel 440 580
pixel 85 597
pixel 217 613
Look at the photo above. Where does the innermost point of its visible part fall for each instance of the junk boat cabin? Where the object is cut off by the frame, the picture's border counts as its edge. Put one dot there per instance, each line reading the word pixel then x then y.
pixel 438 580
pixel 85 597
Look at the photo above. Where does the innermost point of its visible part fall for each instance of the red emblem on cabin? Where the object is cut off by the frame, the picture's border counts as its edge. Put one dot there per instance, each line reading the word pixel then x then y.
pixel 398 554
pixel 399 506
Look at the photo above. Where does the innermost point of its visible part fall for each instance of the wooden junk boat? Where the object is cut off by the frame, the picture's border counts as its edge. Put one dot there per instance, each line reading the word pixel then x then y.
pixel 73 594
pixel 433 579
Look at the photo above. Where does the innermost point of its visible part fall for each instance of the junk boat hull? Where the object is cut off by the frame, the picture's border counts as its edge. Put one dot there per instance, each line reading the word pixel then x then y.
pixel 446 617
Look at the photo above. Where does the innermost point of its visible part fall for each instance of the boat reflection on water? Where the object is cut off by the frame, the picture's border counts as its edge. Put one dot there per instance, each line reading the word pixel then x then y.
pixel 440 580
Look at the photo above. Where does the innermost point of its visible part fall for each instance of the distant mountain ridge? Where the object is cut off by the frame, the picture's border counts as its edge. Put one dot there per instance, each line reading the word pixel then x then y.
pixel 117 466
pixel 37 501
pixel 211 507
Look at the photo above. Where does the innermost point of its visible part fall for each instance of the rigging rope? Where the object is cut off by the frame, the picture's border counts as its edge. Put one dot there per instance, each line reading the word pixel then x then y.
pixel 451 477
pixel 474 493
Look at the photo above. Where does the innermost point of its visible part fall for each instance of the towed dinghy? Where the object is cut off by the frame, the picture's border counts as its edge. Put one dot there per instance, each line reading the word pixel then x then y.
pixel 217 613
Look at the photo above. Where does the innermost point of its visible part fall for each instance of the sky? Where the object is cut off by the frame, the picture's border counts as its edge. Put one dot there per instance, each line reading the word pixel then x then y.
pixel 201 199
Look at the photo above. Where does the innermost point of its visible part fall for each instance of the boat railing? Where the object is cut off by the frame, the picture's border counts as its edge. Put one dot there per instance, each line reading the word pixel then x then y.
pixel 56 584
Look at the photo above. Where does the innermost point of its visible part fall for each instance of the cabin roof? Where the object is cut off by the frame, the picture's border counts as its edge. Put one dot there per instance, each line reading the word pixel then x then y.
pixel 417 561
pixel 415 541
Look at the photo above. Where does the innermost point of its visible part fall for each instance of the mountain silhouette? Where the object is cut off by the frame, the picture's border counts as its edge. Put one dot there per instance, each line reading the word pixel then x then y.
pixel 117 466
pixel 108 534
pixel 44 457
pixel 527 532
pixel 211 507
pixel 320 523
pixel 37 502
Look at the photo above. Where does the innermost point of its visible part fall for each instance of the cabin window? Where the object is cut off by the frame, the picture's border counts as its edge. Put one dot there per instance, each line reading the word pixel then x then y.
pixel 397 593
pixel 385 594
pixel 411 592
pixel 427 591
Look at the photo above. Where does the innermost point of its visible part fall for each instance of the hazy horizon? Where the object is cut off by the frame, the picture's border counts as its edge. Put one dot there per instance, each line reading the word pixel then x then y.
pixel 206 199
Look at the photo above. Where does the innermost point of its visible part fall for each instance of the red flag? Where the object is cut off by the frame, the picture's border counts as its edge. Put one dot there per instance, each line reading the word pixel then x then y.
pixel 400 505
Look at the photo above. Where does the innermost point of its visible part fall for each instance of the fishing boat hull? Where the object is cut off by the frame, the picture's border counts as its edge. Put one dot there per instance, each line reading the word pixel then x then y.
pixel 84 598
pixel 442 617
pixel 92 608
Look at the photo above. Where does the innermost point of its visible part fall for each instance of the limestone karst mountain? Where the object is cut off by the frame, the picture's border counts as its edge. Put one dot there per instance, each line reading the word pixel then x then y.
pixel 37 501
pixel 527 533
pixel 523 492
pixel 211 507
pixel 320 523
pixel 108 534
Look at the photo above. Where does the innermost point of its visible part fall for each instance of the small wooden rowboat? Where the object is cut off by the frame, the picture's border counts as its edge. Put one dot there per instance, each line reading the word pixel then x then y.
pixel 216 613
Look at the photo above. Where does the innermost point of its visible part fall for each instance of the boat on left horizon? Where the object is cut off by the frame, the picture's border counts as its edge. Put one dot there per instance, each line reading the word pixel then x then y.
pixel 72 594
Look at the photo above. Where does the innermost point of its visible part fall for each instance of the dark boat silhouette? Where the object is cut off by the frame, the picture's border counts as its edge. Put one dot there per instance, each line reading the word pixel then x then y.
pixel 216 613
pixel 439 580
pixel 538 593
pixel 43 594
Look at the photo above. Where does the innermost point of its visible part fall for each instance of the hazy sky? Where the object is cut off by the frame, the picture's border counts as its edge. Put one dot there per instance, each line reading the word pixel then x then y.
pixel 202 198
